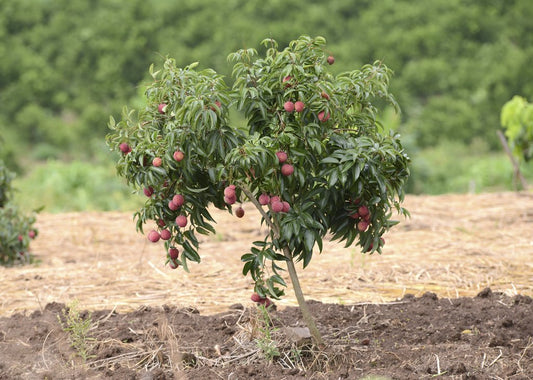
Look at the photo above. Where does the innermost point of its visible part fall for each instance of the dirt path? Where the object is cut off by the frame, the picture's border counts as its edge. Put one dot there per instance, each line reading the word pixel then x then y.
pixel 454 245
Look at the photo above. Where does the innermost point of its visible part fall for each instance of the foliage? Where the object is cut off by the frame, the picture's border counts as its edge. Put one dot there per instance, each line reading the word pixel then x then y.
pixel 517 119
pixel 77 327
pixel 16 229
pixel 341 161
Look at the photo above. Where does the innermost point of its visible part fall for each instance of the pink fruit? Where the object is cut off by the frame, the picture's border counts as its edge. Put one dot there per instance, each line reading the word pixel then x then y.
pixel 287 170
pixel 181 220
pixel 157 161
pixel 230 200
pixel 218 104
pixel 363 211
pixel 331 60
pixel 178 200
pixel 148 191
pixel 355 215
pixel 282 156
pixel 264 199
pixel 324 95
pixel 299 106
pixel 289 106
pixel 31 234
pixel 286 81
pixel 286 206
pixel 178 155
pixel 322 116
pixel 229 191
pixel 239 213
pixel 161 223
pixel 124 148
pixel 173 253
pixel 362 225
pixel 277 206
pixel 165 234
pixel 256 297
pixel 162 108
pixel 274 198
pixel 173 264
pixel 153 236
pixel 173 206
pixel 20 237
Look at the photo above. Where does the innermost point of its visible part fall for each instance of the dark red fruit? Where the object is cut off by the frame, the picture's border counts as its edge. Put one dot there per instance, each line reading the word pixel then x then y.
pixel 173 264
pixel 239 213
pixel 331 60
pixel 173 253
pixel 362 225
pixel 322 116
pixel 256 297
pixel 363 211
pixel 148 191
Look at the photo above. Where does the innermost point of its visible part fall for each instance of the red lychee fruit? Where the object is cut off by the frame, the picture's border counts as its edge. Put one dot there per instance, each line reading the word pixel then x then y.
pixel 162 108
pixel 181 220
pixel 324 95
pixel 173 264
pixel 287 170
pixel 282 156
pixel 20 237
pixel 331 60
pixel 148 191
pixel 322 116
pixel 355 215
pixel 157 161
pixel 230 200
pixel 178 199
pixel 124 148
pixel 218 104
pixel 286 81
pixel 173 206
pixel 363 211
pixel 274 198
pixel 173 253
pixel 229 191
pixel 289 106
pixel 362 225
pixel 178 155
pixel 153 236
pixel 239 213
pixel 256 297
pixel 277 206
pixel 299 106
pixel 31 234
pixel 286 206
pixel 264 199
pixel 165 234
pixel 161 223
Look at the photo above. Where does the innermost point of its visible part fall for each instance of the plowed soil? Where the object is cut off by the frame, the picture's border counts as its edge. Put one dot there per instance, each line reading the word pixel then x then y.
pixel 450 297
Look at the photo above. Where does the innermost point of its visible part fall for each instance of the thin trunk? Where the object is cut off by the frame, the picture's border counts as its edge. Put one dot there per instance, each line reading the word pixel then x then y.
pixel 306 313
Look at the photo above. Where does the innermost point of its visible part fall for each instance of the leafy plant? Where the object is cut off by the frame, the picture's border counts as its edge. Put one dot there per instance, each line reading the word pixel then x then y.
pixel 16 228
pixel 78 329
pixel 517 119
pixel 265 341
pixel 311 158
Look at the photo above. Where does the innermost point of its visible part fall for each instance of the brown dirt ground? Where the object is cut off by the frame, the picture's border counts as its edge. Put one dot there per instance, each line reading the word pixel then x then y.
pixel 409 313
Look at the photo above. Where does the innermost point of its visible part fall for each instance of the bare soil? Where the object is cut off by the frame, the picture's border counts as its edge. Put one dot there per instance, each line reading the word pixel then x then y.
pixel 450 297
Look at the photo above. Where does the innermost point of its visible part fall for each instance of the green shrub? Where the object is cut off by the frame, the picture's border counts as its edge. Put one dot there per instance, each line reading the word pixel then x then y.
pixel 16 229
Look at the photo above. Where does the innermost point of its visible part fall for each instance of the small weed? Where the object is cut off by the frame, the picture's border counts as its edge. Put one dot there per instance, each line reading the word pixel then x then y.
pixel 265 342
pixel 77 328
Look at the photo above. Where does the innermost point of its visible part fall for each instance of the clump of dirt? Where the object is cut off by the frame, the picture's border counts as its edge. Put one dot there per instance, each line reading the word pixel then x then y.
pixel 486 336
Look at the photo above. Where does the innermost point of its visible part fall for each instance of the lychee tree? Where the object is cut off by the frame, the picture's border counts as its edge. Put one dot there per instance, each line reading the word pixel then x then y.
pixel 312 158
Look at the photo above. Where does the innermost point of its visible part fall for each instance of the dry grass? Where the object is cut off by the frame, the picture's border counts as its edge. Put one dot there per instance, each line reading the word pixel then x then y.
pixel 453 245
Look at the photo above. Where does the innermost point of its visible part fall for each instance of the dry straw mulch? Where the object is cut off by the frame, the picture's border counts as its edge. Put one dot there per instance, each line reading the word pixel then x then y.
pixel 453 245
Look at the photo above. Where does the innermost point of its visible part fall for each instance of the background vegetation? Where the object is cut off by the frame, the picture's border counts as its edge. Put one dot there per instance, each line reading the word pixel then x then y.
pixel 67 65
